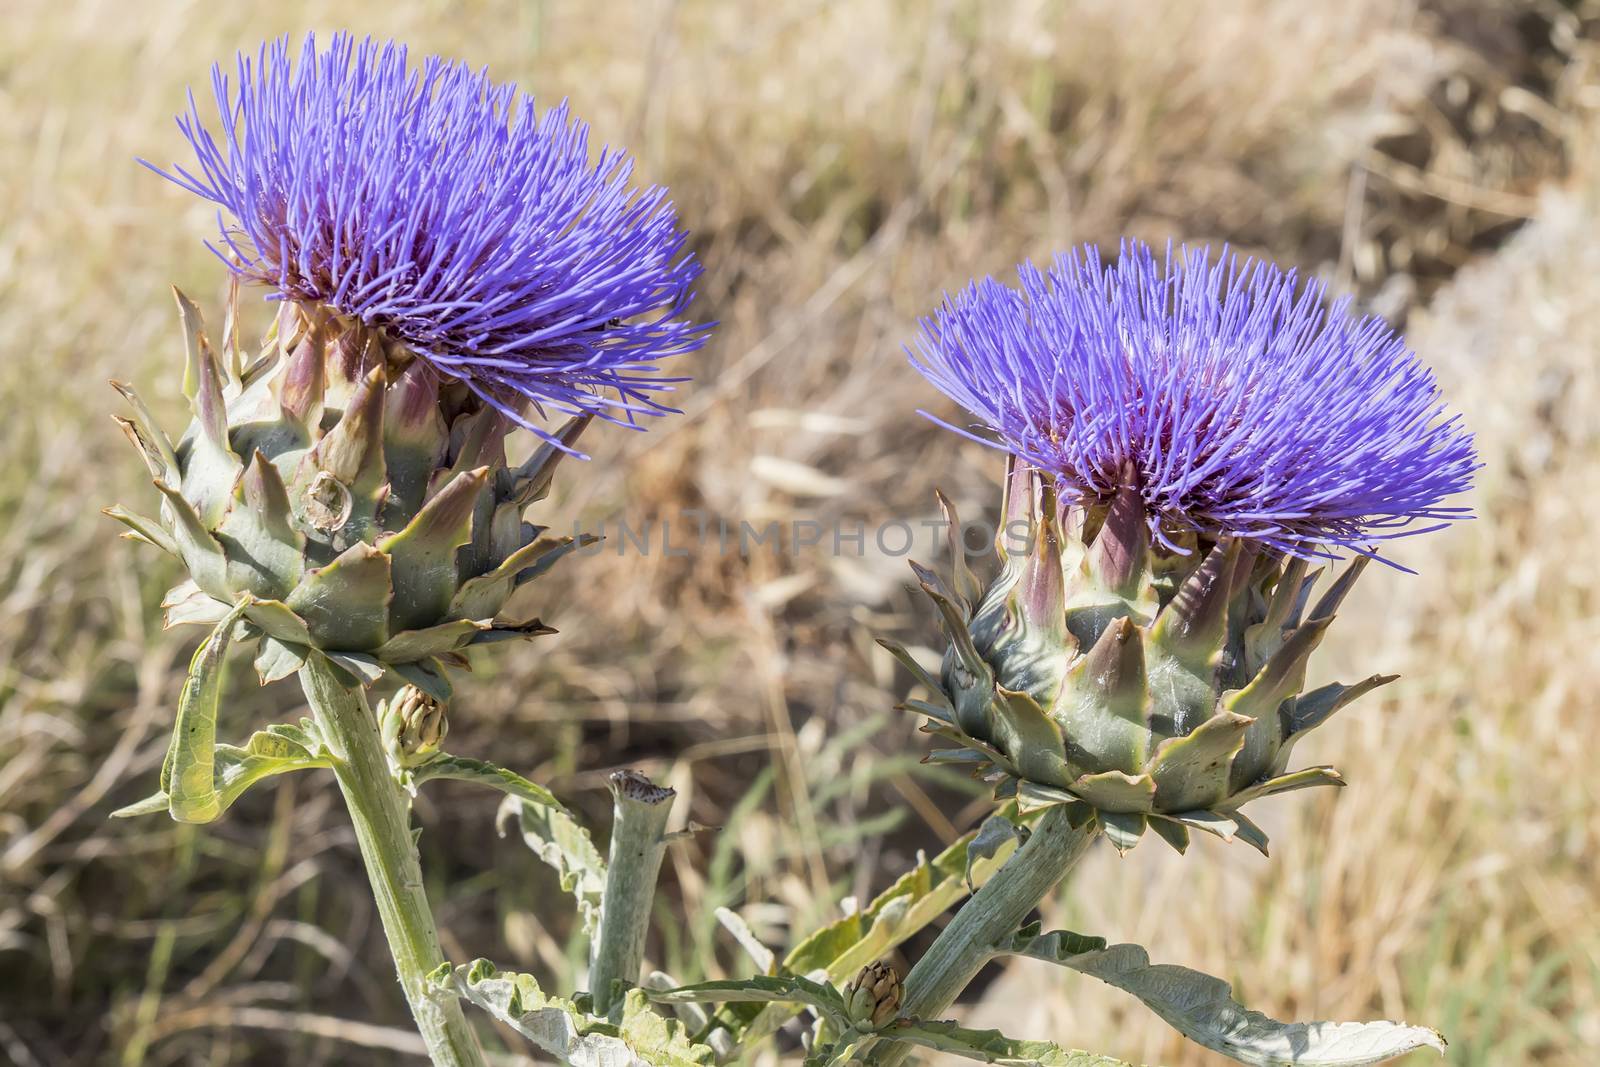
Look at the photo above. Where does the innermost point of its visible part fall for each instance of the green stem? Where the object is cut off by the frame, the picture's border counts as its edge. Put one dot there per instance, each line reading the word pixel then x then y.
pixel 380 810
pixel 994 912
pixel 638 842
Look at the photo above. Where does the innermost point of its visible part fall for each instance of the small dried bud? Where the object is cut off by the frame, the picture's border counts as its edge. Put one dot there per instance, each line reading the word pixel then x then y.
pixel 414 724
pixel 873 997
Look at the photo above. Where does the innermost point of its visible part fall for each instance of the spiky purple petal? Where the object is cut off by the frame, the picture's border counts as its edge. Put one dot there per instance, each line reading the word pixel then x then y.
pixel 444 209
pixel 1236 399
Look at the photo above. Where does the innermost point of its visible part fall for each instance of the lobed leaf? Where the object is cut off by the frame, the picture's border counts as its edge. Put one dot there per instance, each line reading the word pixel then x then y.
pixel 275 750
pixel 762 988
pixel 991 1046
pixel 1202 1008
pixel 465 769
pixel 634 1037
pixel 562 842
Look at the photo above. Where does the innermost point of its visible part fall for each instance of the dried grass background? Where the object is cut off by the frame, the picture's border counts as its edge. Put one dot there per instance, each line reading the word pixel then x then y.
pixel 840 164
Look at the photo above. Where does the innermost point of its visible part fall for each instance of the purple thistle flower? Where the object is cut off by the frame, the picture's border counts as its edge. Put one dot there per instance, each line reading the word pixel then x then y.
pixel 1237 401
pixel 444 210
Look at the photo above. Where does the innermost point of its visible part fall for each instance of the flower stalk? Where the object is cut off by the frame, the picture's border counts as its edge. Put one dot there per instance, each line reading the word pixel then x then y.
pixel 638 843
pixel 993 913
pixel 380 812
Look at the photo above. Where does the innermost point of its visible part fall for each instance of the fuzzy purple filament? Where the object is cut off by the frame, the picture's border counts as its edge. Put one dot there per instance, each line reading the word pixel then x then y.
pixel 445 210
pixel 1236 400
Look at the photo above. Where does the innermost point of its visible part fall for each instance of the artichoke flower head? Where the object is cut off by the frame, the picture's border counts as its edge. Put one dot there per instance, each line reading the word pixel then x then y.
pixel 449 263
pixel 1141 655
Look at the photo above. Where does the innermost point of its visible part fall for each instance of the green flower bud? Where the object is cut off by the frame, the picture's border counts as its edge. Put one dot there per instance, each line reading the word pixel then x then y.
pixel 413 724
pixel 872 999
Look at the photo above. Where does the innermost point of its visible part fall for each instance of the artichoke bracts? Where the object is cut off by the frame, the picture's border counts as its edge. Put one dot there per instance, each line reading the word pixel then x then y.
pixel 355 500
pixel 1183 439
pixel 1138 683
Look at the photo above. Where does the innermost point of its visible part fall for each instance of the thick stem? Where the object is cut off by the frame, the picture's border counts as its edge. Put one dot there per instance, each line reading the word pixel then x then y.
pixel 994 913
pixel 638 842
pixel 381 814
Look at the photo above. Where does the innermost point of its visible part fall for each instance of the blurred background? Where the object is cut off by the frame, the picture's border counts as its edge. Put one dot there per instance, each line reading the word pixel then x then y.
pixel 840 165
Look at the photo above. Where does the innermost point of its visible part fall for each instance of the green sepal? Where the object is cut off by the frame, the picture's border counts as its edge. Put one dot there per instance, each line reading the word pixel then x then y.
pixel 951 733
pixel 186 604
pixel 211 466
pixel 148 437
pixel 1122 829
pixel 194 342
pixel 265 554
pixel 955 626
pixel 1018 725
pixel 1284 783
pixel 301 388
pixel 1249 832
pixel 346 604
pixel 1117 791
pixel 942 714
pixel 276 660
pixel 411 645
pixel 427 675
pixel 1192 771
pixel 1310 710
pixel 358 668
pixel 1035 796
pixel 530 482
pixel 1266 637
pixel 1104 704
pixel 1175 834
pixel 415 437
pixel 483 597
pixel 275 619
pixel 339 486
pixel 954 756
pixel 1283 675
pixel 1116 559
pixel 1212 822
pixel 1039 597
pixel 201 553
pixel 1328 604
pixel 966 584
pixel 928 681
pixel 423 555
pixel 1193 627
pixel 143 528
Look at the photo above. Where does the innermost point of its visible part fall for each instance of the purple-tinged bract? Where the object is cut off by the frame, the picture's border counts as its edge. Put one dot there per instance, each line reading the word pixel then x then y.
pixel 1236 400
pixel 446 211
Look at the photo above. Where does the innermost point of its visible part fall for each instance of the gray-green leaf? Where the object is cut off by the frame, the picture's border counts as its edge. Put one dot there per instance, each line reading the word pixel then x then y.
pixel 464 769
pixel 635 1037
pixel 991 1046
pixel 764 988
pixel 558 839
pixel 188 774
pixel 275 750
pixel 1202 1008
